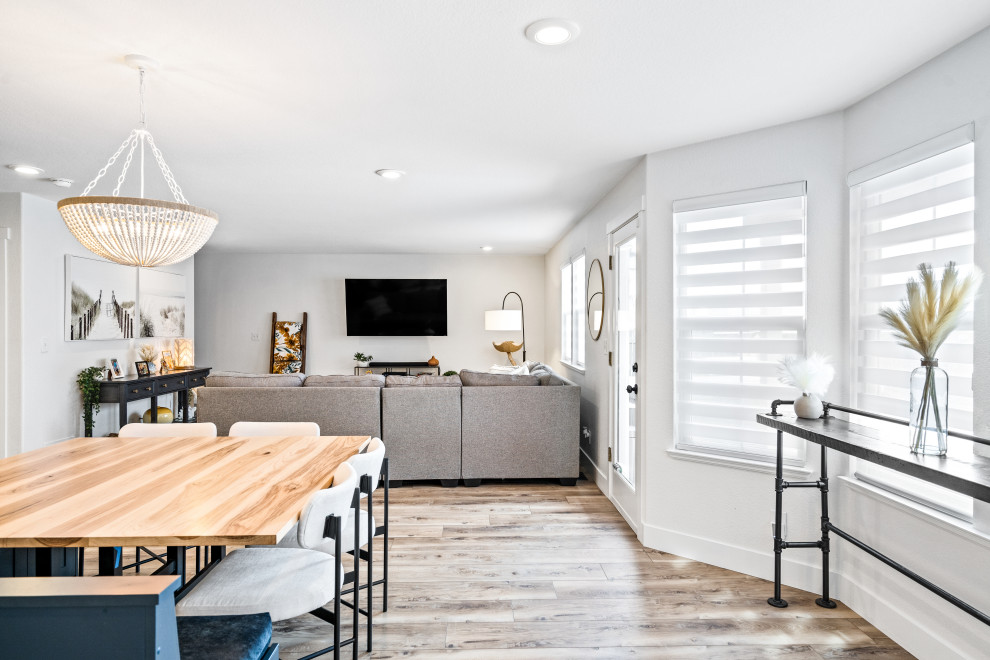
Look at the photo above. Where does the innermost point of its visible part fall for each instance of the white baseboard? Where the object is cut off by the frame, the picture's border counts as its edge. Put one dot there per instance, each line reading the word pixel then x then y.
pixel 742 560
pixel 600 478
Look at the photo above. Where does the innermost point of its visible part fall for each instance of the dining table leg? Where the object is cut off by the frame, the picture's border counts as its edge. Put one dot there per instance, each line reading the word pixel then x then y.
pixel 110 563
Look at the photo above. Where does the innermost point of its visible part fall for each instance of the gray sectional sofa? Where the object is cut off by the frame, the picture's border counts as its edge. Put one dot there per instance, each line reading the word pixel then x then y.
pixel 472 427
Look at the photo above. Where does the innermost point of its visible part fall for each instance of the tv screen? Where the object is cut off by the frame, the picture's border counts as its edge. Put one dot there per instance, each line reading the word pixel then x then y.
pixel 396 307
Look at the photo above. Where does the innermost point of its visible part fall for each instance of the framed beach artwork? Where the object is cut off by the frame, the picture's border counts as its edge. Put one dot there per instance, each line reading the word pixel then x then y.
pixel 162 300
pixel 100 300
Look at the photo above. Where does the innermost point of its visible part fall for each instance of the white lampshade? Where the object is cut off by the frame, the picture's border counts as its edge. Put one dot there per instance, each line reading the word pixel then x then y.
pixel 503 319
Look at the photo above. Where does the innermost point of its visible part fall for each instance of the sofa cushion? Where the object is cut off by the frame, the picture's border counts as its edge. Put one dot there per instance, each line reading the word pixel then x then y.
pixel 235 637
pixel 482 379
pixel 237 379
pixel 364 380
pixel 423 380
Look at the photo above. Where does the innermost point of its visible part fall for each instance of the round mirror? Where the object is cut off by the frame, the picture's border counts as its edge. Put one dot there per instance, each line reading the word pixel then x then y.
pixel 596 299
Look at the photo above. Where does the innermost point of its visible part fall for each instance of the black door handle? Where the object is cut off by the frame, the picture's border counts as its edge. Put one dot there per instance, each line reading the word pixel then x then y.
pixel 632 389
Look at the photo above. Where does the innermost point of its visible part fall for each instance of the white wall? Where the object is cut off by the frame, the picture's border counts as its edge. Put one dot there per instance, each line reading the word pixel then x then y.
pixel 237 293
pixel 590 235
pixel 947 92
pixel 45 401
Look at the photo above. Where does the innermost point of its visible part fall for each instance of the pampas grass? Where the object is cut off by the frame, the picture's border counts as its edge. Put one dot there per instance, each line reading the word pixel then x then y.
pixel 932 309
pixel 811 375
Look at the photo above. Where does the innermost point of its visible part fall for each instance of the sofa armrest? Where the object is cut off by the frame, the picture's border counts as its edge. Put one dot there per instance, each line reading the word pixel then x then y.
pixel 520 432
pixel 338 410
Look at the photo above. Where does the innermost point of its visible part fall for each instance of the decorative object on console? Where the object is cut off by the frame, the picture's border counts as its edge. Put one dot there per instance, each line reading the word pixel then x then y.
pixel 433 361
pixel 508 320
pixel 142 368
pixel 812 375
pixel 88 381
pixel 450 373
pixel 596 299
pixel 165 415
pixel 932 310
pixel 508 347
pixel 362 359
pixel 135 231
pixel 288 345
pixel 99 300
pixel 113 369
pixel 162 303
pixel 183 352
pixel 167 362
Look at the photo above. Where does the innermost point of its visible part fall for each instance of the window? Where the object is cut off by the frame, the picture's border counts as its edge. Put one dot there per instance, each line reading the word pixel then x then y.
pixel 739 298
pixel 572 312
pixel 914 207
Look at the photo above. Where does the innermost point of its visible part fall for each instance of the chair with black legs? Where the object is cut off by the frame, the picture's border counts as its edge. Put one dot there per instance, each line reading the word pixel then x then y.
pixel 372 467
pixel 289 582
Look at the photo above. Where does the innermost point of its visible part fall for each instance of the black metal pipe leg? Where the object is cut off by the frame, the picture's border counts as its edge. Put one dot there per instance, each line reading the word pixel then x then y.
pixel 778 541
pixel 825 601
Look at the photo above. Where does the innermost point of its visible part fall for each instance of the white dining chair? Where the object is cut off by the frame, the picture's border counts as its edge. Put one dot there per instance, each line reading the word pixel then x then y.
pixel 289 582
pixel 178 430
pixel 255 429
pixel 368 463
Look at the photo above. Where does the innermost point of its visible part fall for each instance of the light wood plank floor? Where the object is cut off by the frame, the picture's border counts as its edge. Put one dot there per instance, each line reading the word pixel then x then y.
pixel 537 571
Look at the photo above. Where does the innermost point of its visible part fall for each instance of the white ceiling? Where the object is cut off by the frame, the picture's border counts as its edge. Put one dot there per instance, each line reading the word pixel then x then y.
pixel 277 114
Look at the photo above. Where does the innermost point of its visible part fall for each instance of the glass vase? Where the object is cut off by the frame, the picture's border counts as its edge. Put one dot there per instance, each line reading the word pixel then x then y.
pixel 929 409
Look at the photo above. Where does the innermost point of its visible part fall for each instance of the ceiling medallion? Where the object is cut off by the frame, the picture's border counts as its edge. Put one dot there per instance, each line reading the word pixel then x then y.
pixel 135 231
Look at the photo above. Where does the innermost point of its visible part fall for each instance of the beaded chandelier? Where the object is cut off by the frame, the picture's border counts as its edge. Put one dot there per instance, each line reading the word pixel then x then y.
pixel 135 231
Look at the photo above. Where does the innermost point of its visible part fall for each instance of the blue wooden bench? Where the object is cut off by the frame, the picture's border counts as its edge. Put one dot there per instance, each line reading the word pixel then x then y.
pixel 126 617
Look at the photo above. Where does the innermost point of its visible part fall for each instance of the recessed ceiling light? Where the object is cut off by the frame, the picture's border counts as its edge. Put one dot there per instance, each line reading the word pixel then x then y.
pixel 62 183
pixel 28 170
pixel 487 248
pixel 552 31
pixel 391 175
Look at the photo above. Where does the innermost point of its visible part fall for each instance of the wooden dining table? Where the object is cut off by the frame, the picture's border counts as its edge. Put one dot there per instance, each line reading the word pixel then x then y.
pixel 175 492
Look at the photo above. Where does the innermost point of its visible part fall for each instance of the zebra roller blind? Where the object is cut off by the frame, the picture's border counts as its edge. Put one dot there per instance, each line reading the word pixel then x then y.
pixel 739 309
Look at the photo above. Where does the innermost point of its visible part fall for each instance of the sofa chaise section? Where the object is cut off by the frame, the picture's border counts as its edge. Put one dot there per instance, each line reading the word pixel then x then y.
pixel 421 426
pixel 520 431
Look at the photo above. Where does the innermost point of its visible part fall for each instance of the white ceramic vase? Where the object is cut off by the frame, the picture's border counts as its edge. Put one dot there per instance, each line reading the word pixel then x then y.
pixel 808 406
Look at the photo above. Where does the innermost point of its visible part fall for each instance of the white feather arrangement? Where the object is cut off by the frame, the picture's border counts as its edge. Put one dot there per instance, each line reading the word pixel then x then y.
pixel 811 375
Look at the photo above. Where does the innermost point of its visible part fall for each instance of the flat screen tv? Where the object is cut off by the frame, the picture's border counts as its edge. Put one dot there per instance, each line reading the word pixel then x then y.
pixel 396 308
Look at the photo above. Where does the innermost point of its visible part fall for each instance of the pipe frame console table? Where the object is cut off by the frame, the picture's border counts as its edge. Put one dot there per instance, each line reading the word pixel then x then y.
pixel 966 475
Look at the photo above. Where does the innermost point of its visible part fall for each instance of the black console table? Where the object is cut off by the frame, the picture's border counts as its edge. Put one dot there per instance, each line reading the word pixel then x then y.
pixel 134 388
pixel 397 368
pixel 969 475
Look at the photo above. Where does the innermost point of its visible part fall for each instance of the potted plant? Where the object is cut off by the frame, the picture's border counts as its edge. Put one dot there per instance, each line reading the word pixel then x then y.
pixel 89 387
pixel 362 359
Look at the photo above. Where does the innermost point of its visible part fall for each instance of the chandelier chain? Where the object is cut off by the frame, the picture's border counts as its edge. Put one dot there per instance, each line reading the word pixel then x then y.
pixel 113 159
pixel 127 164
pixel 166 172
pixel 143 108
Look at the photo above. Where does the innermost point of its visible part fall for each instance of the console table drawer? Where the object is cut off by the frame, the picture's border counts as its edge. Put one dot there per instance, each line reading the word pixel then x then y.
pixel 169 385
pixel 197 381
pixel 141 390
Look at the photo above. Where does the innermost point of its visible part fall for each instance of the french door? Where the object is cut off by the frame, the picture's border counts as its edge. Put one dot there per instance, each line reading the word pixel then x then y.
pixel 624 465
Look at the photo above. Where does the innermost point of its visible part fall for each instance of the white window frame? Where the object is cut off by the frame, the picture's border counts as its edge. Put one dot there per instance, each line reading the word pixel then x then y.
pixel 929 495
pixel 738 437
pixel 573 311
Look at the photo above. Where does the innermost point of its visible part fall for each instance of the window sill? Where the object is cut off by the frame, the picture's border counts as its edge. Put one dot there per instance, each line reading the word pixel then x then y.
pixel 943 521
pixel 573 367
pixel 750 465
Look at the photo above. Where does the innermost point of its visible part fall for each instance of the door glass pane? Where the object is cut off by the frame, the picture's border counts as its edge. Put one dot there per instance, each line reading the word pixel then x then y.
pixel 625 323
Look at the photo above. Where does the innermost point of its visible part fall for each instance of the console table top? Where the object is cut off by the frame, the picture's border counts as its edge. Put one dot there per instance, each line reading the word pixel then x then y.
pixel 132 378
pixel 968 474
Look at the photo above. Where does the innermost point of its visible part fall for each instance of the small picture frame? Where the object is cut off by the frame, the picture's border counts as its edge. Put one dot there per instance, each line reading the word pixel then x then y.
pixel 114 371
pixel 142 368
pixel 167 362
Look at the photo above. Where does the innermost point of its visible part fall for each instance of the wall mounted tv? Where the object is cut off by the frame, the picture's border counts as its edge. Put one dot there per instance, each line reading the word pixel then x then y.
pixel 396 308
